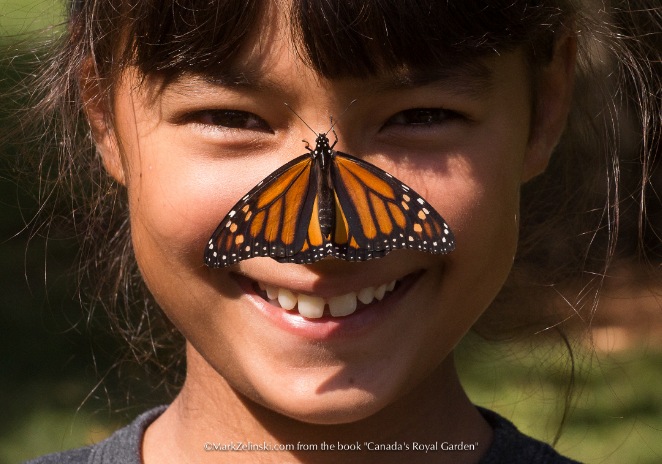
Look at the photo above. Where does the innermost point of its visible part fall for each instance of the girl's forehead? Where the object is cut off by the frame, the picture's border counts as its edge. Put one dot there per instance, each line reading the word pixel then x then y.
pixel 271 58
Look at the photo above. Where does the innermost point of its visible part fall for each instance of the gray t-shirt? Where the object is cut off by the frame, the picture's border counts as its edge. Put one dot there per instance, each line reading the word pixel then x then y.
pixel 123 447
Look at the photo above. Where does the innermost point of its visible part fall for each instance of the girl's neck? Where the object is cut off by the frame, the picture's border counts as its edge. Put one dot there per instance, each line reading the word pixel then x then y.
pixel 209 411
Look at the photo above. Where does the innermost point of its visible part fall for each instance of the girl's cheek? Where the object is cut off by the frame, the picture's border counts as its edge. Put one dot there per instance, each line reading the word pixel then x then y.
pixel 480 201
pixel 175 207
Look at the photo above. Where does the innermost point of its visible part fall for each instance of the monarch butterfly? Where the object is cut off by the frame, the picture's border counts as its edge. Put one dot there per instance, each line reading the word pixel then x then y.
pixel 327 203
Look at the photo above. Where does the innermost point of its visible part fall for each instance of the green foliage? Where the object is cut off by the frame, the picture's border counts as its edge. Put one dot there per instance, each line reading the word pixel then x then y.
pixel 616 413
pixel 22 16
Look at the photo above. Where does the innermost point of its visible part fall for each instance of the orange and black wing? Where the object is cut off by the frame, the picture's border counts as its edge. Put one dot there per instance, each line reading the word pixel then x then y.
pixel 271 220
pixel 377 213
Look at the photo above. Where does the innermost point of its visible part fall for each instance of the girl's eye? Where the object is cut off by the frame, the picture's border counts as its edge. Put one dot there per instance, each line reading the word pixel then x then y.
pixel 421 117
pixel 230 119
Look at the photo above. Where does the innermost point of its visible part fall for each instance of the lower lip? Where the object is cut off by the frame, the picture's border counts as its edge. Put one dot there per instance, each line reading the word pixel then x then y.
pixel 363 320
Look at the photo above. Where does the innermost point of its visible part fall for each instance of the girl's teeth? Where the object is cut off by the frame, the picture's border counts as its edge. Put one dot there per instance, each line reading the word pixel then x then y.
pixel 272 292
pixel 342 305
pixel 312 307
pixel 286 299
pixel 366 295
pixel 380 291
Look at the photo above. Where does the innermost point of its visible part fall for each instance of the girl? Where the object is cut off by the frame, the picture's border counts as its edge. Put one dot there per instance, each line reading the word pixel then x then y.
pixel 463 101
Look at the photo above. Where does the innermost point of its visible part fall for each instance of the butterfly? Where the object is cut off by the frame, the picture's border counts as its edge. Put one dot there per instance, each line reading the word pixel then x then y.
pixel 327 203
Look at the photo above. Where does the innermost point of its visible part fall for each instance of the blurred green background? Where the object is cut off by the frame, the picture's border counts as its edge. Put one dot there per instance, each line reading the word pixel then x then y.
pixel 58 387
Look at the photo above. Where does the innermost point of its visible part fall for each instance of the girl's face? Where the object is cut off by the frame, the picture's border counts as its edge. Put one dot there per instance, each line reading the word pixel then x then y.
pixel 187 153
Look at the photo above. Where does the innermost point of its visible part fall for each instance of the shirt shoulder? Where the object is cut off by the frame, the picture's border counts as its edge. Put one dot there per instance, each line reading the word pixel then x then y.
pixel 77 456
pixel 511 446
pixel 122 447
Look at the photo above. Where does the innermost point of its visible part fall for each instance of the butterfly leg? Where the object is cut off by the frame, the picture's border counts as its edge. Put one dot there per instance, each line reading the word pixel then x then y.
pixel 336 136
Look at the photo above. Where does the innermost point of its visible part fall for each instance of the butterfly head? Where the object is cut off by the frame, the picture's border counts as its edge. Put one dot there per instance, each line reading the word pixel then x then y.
pixel 322 146
pixel 322 141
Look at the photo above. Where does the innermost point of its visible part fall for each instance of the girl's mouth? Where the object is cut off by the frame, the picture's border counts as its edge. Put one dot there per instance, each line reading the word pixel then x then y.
pixel 327 314
pixel 314 307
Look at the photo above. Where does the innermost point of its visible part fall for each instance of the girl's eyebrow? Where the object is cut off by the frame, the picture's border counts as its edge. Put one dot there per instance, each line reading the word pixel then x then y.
pixel 472 78
pixel 188 83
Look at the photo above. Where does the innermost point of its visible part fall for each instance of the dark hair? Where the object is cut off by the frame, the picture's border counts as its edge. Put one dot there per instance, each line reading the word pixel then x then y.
pixel 351 38
pixel 569 216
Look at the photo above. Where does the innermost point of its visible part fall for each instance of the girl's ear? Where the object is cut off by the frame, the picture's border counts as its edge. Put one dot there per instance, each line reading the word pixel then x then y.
pixel 553 90
pixel 99 111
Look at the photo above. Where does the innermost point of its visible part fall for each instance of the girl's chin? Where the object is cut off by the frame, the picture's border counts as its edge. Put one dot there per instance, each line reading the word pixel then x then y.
pixel 330 408
pixel 330 394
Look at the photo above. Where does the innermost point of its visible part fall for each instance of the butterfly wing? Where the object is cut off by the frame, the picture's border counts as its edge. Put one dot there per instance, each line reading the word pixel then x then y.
pixel 272 219
pixel 377 213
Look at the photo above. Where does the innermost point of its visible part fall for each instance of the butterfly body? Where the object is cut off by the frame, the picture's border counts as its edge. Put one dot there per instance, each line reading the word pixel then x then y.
pixel 327 203
pixel 322 158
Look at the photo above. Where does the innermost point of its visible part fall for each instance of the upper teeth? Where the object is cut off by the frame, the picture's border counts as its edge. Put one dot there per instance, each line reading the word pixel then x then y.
pixel 312 306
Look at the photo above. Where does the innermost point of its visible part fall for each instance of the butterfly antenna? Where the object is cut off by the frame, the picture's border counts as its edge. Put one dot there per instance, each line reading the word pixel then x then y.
pixel 333 124
pixel 297 115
